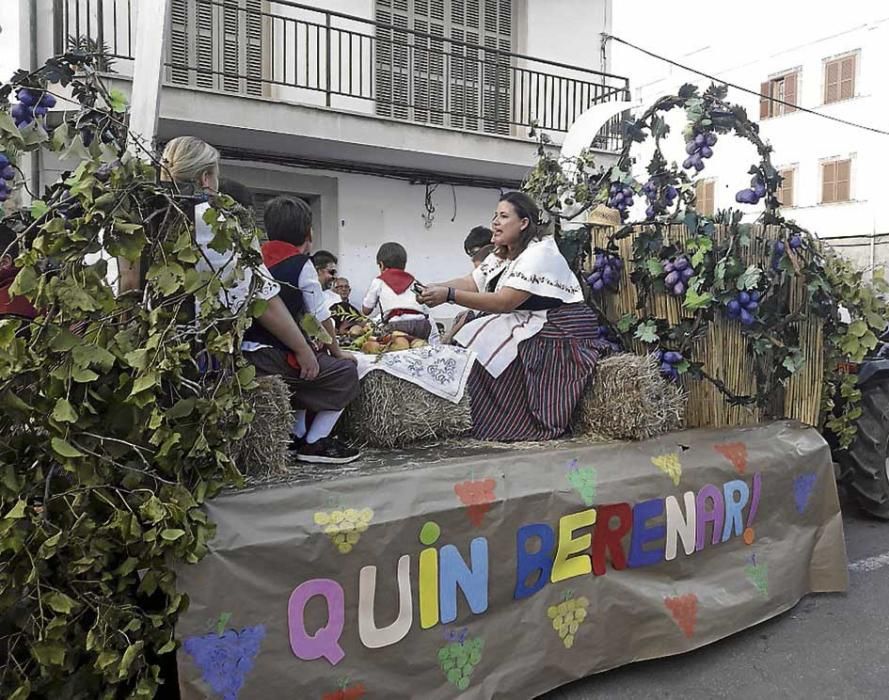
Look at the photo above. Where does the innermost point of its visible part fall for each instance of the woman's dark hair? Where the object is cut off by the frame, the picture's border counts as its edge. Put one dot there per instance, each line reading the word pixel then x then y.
pixel 288 219
pixel 525 208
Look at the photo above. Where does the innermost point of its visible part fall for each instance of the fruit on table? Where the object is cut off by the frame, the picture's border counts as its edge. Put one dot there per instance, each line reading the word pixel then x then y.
pixel 400 343
pixel 357 330
pixel 418 343
pixel 372 347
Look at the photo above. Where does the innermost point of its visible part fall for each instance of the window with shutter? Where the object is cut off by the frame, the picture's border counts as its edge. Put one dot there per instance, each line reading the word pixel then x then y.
pixel 839 79
pixel 454 71
pixel 836 181
pixel 785 192
pixel 779 95
pixel 705 197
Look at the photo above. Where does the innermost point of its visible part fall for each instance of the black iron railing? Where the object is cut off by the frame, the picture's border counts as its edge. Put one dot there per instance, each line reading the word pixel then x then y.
pixel 299 53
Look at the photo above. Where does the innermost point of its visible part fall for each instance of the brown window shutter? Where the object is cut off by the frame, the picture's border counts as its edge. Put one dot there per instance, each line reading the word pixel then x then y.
pixel 790 92
pixel 710 190
pixel 843 181
pixel 831 82
pixel 786 192
pixel 847 78
pixel 828 182
pixel 765 92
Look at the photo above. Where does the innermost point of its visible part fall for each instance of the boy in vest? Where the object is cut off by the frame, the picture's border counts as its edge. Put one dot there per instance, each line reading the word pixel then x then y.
pixel 391 294
pixel 288 223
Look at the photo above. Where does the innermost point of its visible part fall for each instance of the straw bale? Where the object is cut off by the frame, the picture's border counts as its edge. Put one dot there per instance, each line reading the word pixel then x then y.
pixel 628 399
pixel 263 451
pixel 391 412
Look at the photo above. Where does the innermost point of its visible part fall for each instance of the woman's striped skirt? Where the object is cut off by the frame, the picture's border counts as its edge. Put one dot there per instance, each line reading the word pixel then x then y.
pixel 535 397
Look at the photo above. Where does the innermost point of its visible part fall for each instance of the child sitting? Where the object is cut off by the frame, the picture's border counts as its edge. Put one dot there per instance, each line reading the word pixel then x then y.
pixel 288 223
pixel 391 294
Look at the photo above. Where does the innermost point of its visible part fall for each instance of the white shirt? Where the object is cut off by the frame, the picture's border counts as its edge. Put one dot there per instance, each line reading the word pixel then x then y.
pixel 316 300
pixel 383 295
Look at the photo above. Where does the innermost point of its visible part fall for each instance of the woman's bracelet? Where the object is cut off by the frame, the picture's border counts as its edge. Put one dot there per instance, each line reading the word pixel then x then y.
pixel 452 295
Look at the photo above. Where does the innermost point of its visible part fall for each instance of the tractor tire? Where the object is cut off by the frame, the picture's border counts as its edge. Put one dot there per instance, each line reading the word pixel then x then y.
pixel 866 462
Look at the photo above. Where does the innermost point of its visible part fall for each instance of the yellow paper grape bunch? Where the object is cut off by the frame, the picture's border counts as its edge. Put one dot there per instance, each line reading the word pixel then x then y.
pixel 568 616
pixel 670 465
pixel 344 526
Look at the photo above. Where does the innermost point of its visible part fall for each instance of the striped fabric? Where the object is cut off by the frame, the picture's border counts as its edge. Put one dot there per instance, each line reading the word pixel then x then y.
pixel 535 397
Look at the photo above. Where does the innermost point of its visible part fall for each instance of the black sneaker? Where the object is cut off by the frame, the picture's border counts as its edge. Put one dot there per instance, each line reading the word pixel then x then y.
pixel 296 443
pixel 327 450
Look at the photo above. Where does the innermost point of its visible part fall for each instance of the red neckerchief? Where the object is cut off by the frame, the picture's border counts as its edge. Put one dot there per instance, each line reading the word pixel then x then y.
pixel 397 280
pixel 13 306
pixel 274 252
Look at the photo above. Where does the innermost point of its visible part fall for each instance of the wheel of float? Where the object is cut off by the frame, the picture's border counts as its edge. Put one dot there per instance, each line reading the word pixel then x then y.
pixel 866 462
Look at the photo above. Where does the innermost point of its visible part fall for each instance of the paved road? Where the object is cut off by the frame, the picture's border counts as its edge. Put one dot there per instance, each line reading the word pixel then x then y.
pixel 828 646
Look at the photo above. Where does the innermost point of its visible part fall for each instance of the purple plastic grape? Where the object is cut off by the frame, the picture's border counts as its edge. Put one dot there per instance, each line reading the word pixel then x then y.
pixel 755 295
pixel 699 166
pixel 688 163
pixel 679 289
pixel 27 97
pixel 752 306
pixel 687 274
pixel 779 247
pixel 691 148
pixel 627 192
pixel 650 212
pixel 672 278
pixel 617 263
pixel 795 242
pixel 733 308
pixel 711 139
pixel 21 112
pixel 667 368
pixel 8 173
pixel 593 278
pixel 598 286
pixel 759 191
pixel 672 357
pixel 700 140
pixel 706 152
pixel 746 318
pixel 680 263
pixel 4 195
pixel 672 192
pixel 743 298
pixel 669 267
pixel 48 100
pixel 40 111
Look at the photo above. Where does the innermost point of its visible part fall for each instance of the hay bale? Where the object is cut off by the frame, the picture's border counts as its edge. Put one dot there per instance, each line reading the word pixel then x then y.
pixel 391 412
pixel 628 399
pixel 263 451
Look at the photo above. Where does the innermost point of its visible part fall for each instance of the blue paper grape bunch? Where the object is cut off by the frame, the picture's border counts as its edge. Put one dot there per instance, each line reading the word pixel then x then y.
pixel 669 360
pixel 742 307
pixel 32 104
pixel 659 199
pixel 677 274
pixel 606 272
pixel 754 193
pixel 226 659
pixel 620 197
pixel 795 242
pixel 699 148
pixel 7 175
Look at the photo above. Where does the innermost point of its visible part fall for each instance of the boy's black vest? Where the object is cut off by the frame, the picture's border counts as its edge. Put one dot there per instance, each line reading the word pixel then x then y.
pixel 286 263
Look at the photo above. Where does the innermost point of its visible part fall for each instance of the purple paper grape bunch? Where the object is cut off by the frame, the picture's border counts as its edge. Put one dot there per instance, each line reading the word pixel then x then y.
pixel 742 307
pixel 669 360
pixel 754 193
pixel 606 272
pixel 698 149
pixel 802 490
pixel 32 104
pixel 794 243
pixel 226 659
pixel 659 198
pixel 7 175
pixel 677 273
pixel 620 197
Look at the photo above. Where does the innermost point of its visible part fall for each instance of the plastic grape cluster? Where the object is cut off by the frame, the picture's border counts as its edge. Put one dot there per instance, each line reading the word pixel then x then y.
pixel 606 336
pixel 344 527
pixel 743 307
pixel 606 272
pixel 754 193
pixel 795 242
pixel 459 659
pixel 656 205
pixel 7 175
pixel 32 104
pixel 678 272
pixel 669 360
pixel 226 659
pixel 583 479
pixel 567 617
pixel 699 148
pixel 477 496
pixel 685 612
pixel 620 198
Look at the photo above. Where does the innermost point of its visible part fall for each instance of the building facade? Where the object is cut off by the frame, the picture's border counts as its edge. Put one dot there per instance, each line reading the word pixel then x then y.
pixel 395 119
pixel 832 172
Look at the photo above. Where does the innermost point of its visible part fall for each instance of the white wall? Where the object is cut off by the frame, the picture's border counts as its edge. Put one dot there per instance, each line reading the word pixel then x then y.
pixel 10 40
pixel 799 139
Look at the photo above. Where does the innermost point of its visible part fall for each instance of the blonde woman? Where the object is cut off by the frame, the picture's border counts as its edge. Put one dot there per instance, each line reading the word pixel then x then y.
pixel 190 163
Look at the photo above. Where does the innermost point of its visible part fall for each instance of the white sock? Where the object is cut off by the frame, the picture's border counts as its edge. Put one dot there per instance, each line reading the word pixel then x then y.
pixel 299 424
pixel 322 425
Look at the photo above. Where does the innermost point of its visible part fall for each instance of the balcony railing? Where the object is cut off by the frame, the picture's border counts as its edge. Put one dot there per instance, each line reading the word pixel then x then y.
pixel 298 53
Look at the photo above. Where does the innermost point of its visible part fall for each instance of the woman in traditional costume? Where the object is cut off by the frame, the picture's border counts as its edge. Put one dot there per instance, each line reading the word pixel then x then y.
pixel 536 340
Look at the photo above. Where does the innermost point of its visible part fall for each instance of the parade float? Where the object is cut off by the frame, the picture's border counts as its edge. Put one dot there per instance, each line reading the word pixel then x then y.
pixel 147 508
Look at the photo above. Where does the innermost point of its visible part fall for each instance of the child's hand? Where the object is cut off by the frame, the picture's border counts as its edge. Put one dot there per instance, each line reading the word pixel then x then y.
pixel 337 352
pixel 308 364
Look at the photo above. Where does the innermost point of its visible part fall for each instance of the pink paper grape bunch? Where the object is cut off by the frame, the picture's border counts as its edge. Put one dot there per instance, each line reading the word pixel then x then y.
pixel 742 307
pixel 7 175
pixel 620 197
pixel 606 272
pixel 669 360
pixel 754 193
pixel 699 148
pixel 677 274
pixel 659 199
pixel 32 104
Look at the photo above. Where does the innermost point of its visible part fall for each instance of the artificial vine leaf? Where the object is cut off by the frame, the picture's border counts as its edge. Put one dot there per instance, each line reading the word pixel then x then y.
pixel 65 449
pixel 647 332
pixel 654 266
pixel 858 328
pixel 626 322
pixel 64 412
pixel 694 300
pixel 749 279
pixel 117 101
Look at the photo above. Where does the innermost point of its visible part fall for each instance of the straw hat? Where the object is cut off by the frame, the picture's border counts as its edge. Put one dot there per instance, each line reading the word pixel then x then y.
pixel 604 216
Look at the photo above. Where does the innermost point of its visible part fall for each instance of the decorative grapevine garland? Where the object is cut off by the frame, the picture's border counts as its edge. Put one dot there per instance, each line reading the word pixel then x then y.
pixel 708 275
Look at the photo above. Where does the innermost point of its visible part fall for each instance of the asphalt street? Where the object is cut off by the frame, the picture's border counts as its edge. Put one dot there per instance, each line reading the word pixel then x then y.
pixel 828 646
